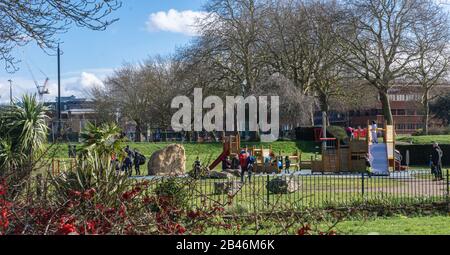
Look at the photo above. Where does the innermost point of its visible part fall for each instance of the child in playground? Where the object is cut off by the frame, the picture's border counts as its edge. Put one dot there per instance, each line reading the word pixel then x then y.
pixel 267 161
pixel 349 130
pixel 197 168
pixel 250 162
pixel 280 164
pixel 235 164
pixel 374 131
pixel 243 162
pixel 226 163
pixel 288 164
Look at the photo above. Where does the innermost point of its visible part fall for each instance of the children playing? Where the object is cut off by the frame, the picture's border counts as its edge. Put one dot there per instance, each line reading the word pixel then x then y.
pixel 287 163
pixel 280 164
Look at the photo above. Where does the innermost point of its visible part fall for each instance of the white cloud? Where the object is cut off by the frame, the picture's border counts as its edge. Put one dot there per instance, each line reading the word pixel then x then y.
pixel 185 22
pixel 89 80
pixel 73 83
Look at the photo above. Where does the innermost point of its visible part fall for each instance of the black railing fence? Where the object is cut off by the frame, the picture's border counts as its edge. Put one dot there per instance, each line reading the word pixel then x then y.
pixel 282 192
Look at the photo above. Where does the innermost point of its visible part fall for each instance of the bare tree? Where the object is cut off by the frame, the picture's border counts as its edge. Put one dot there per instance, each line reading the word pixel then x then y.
pixel 326 57
pixel 379 35
pixel 433 62
pixel 230 40
pixel 41 21
pixel 139 93
pixel 285 41
pixel 294 104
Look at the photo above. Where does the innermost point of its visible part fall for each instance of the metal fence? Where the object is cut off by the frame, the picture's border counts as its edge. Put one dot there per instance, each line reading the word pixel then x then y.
pixel 297 191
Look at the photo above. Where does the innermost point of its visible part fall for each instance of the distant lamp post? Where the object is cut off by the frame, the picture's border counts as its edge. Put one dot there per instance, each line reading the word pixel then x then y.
pixel 10 92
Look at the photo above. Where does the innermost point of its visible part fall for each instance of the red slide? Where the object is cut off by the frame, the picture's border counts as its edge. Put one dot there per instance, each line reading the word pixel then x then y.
pixel 219 160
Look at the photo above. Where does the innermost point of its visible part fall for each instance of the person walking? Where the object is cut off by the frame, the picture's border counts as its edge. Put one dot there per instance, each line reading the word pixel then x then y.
pixel 128 162
pixel 374 132
pixel 436 162
pixel 138 161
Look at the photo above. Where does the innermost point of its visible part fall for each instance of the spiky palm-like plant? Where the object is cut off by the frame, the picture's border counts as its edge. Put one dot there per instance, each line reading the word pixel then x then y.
pixel 100 143
pixel 23 134
pixel 23 123
pixel 102 140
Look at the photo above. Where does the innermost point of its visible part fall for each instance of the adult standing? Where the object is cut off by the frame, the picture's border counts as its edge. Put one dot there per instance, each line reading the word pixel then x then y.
pixel 436 161
pixel 138 158
pixel 128 163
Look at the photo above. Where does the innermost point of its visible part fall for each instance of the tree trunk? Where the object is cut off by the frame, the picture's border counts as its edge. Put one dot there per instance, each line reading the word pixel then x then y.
pixel 324 108
pixel 386 106
pixel 311 115
pixel 426 108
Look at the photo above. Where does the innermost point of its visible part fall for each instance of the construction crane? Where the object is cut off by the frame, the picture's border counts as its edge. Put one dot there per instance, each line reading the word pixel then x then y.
pixel 41 89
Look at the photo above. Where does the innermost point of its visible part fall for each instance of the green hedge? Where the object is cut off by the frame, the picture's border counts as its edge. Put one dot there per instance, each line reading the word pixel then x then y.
pixel 419 155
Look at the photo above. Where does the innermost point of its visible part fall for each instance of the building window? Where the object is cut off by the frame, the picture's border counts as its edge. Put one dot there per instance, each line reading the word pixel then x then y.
pixel 410 126
pixel 410 112
pixel 401 112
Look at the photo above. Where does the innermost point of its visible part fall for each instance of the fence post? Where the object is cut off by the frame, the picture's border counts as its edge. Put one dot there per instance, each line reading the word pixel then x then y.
pixel 267 187
pixel 362 185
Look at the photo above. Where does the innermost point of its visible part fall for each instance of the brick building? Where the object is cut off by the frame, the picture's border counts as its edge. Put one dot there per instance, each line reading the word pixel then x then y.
pixel 406 108
pixel 75 113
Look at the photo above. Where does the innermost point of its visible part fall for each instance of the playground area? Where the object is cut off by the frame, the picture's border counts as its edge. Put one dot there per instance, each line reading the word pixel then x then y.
pixel 325 156
pixel 359 154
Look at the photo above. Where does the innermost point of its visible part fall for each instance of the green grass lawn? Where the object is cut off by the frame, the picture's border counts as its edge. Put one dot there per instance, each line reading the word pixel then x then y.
pixel 442 139
pixel 314 192
pixel 400 225
pixel 208 152
pixel 397 225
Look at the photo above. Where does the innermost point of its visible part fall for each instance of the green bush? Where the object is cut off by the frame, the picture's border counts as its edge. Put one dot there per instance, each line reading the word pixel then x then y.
pixel 176 190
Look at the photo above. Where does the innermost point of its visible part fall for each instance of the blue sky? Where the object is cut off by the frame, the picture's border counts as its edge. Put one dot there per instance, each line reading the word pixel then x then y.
pixel 145 28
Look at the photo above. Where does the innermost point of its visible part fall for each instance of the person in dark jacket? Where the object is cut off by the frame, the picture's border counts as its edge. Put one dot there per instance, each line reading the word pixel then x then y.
pixel 137 162
pixel 250 165
pixel 197 168
pixel 243 163
pixel 436 162
pixel 235 164
pixel 128 161
pixel 226 163
pixel 287 163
